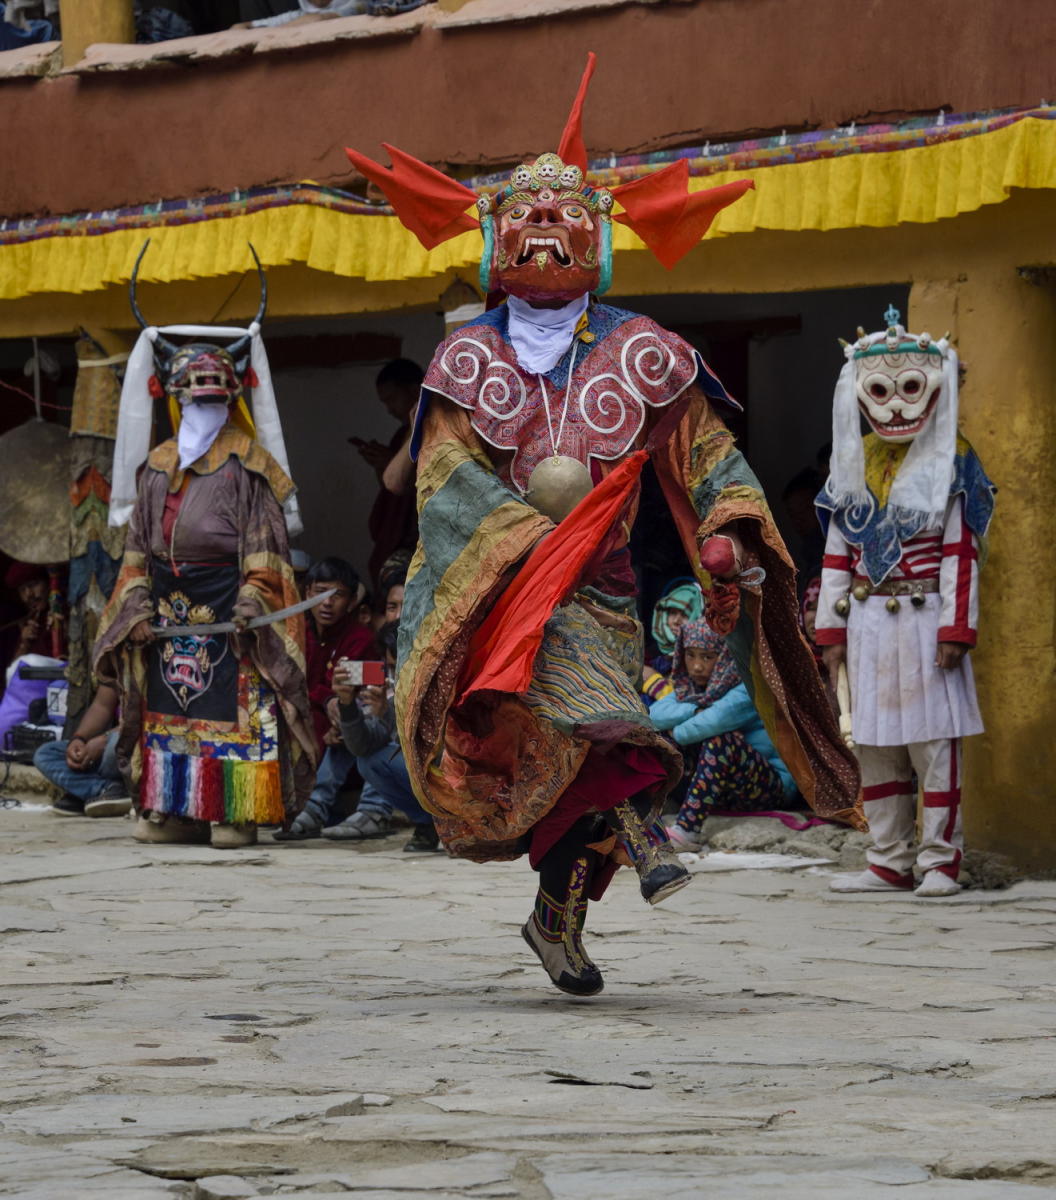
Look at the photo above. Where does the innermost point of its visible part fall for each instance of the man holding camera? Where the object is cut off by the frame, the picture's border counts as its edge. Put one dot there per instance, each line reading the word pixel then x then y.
pixel 368 731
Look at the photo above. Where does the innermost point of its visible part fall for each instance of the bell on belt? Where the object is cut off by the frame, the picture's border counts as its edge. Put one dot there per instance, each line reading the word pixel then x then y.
pixel 893 605
pixel 557 485
pixel 842 606
pixel 917 599
pixel 861 593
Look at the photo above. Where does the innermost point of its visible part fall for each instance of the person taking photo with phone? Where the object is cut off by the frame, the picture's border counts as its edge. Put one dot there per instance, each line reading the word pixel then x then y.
pixel 368 732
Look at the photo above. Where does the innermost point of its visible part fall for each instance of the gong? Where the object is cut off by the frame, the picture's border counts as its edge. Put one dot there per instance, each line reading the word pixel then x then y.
pixel 35 493
pixel 557 485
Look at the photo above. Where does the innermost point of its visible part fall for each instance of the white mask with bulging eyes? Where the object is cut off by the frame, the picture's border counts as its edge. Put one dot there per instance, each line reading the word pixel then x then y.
pixel 897 393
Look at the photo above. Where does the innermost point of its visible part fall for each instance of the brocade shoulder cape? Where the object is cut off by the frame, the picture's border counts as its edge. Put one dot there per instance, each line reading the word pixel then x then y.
pixel 594 403
pixel 879 530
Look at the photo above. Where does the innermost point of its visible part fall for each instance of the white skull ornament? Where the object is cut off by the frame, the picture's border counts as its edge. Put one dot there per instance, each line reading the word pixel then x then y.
pixel 898 381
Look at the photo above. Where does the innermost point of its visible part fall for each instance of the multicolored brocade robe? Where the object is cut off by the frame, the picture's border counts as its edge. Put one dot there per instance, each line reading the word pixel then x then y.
pixel 212 728
pixel 491 770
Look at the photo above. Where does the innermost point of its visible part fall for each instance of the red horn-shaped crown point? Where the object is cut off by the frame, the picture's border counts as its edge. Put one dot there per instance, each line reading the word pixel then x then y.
pixel 668 217
pixel 571 150
pixel 430 204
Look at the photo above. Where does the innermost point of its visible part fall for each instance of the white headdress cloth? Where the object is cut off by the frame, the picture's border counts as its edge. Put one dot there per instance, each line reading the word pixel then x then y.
pixel 921 489
pixel 135 416
pixel 542 336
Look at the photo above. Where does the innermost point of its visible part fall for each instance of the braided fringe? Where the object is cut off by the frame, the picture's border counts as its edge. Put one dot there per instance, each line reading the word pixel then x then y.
pixel 212 789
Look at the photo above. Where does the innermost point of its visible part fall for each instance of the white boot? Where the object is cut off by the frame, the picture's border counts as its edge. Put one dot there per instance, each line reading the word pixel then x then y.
pixel 864 881
pixel 937 883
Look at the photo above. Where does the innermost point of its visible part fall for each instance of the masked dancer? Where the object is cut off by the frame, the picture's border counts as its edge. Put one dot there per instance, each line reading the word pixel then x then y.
pixel 216 732
pixel 906 509
pixel 520 647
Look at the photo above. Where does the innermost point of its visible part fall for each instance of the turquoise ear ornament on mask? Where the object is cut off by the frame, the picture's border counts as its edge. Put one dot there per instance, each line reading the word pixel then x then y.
pixel 487 228
pixel 605 276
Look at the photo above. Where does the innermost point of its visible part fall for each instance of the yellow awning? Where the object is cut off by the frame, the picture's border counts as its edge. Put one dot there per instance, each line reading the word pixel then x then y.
pixel 835 181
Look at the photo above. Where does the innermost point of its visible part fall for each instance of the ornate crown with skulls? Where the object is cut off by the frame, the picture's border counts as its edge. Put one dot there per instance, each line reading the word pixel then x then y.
pixel 547 233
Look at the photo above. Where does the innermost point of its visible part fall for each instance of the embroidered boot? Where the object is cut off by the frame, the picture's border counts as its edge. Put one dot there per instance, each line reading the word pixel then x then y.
pixel 660 871
pixel 554 929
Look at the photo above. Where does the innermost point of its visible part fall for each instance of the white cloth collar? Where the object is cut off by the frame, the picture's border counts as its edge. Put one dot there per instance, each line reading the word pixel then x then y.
pixel 199 426
pixel 541 336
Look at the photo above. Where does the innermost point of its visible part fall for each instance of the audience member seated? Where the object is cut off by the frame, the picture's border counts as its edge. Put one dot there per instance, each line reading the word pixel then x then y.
pixel 368 730
pixel 31 646
pixel 30 583
pixel 85 767
pixel 798 501
pixel 335 630
pixel 735 766
pixel 24 22
pixel 808 614
pixel 682 601
pixel 390 592
pixel 302 11
pixel 163 20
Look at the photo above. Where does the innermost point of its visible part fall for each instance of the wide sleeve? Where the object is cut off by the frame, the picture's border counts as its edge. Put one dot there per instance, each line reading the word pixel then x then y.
pixel 130 602
pixel 709 487
pixel 959 579
pixel 474 532
pixel 830 627
pixel 362 735
pixel 268 585
pixel 267 577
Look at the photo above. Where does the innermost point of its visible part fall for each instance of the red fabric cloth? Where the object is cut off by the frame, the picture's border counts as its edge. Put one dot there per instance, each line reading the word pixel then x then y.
pixel 571 149
pixel 348 638
pixel 668 217
pixel 432 206
pixel 503 649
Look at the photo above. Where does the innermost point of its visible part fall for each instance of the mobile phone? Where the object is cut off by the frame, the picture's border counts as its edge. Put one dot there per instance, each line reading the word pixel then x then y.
pixel 361 674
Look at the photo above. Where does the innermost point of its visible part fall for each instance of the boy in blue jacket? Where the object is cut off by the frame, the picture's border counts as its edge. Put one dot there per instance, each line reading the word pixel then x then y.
pixel 737 767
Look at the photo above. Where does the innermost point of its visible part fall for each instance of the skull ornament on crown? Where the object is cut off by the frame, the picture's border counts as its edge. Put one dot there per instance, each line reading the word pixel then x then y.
pixel 546 234
pixel 898 379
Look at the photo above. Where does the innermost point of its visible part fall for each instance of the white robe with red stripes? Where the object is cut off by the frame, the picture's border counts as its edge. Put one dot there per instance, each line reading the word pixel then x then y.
pixel 898 694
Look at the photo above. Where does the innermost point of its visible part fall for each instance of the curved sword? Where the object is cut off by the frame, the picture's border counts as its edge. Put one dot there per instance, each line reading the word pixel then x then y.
pixel 168 631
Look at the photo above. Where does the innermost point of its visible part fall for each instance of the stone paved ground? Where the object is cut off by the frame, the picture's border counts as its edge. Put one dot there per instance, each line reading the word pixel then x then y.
pixel 324 1021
